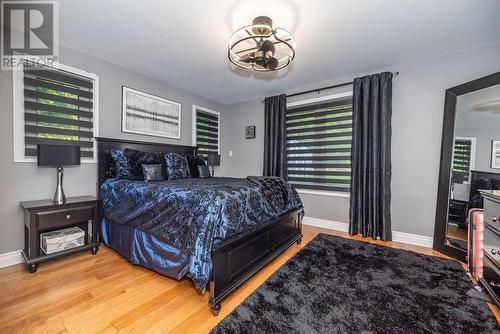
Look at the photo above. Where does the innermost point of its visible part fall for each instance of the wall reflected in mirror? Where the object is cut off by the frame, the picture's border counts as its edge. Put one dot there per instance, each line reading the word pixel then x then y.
pixel 476 159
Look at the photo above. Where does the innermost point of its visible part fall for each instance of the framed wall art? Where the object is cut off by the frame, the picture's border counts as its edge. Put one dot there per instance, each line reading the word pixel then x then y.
pixel 495 154
pixel 250 132
pixel 151 115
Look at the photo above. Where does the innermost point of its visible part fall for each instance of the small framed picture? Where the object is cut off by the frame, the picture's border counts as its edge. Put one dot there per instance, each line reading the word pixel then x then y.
pixel 250 132
pixel 495 154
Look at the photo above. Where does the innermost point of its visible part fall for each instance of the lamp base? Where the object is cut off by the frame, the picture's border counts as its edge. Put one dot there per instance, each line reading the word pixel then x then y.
pixel 59 197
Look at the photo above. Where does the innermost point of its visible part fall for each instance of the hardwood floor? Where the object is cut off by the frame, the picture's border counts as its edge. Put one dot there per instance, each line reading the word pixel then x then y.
pixel 457 233
pixel 106 294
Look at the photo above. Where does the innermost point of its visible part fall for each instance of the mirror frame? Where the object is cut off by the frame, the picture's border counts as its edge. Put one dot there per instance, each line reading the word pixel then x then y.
pixel 448 135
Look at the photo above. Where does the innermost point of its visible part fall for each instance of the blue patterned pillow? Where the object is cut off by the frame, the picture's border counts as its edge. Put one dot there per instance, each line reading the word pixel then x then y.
pixel 176 166
pixel 203 171
pixel 121 164
pixel 495 184
pixel 137 158
pixel 152 172
pixel 128 163
pixel 193 162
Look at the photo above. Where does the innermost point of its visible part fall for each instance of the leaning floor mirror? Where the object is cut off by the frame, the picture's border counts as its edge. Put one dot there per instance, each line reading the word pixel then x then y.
pixel 470 159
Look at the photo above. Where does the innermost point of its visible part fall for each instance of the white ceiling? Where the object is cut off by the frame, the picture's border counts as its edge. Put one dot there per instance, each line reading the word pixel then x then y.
pixel 184 43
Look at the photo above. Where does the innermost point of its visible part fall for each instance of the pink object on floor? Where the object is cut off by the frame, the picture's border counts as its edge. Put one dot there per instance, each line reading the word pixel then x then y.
pixel 475 252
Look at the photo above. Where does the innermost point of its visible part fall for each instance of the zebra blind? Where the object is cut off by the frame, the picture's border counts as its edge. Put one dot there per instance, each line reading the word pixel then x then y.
pixel 58 109
pixel 207 132
pixel 319 145
pixel 462 158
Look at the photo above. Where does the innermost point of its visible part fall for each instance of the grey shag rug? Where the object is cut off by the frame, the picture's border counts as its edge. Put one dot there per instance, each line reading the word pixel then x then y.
pixel 337 285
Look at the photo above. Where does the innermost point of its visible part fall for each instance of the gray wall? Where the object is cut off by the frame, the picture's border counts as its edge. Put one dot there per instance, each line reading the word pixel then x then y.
pixel 248 156
pixel 478 116
pixel 484 137
pixel 418 100
pixel 24 181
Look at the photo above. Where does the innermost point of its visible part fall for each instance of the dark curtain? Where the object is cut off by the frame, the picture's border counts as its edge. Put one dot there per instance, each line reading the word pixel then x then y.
pixel 275 136
pixel 370 201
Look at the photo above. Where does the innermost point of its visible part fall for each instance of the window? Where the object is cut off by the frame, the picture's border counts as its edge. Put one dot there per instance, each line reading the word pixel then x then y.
pixel 54 105
pixel 206 132
pixel 463 158
pixel 319 143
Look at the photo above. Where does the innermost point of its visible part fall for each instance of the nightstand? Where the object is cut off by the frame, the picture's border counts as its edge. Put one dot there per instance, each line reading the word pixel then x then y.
pixel 457 212
pixel 42 216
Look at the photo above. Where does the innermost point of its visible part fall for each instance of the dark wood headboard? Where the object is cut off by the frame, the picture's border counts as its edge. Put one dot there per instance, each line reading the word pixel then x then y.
pixel 105 145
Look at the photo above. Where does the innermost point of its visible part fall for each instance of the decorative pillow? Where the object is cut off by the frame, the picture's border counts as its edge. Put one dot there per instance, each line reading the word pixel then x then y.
pixel 204 172
pixel 128 163
pixel 121 164
pixel 193 162
pixel 152 172
pixel 476 201
pixel 137 158
pixel 495 184
pixel 481 184
pixel 176 166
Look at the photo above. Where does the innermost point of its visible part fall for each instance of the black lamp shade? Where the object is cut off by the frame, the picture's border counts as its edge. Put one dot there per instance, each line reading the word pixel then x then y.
pixel 213 159
pixel 58 155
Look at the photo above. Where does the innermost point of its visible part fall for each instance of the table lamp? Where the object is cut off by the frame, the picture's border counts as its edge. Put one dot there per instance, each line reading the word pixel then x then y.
pixel 49 155
pixel 213 159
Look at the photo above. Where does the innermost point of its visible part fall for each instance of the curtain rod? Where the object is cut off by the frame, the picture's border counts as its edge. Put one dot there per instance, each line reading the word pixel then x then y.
pixel 322 88
pixel 329 87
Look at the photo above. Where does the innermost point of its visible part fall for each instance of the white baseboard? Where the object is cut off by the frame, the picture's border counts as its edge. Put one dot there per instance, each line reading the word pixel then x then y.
pixel 412 239
pixel 331 224
pixel 10 258
pixel 407 238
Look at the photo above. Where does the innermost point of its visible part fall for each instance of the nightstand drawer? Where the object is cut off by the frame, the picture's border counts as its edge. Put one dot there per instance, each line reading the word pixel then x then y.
pixel 56 218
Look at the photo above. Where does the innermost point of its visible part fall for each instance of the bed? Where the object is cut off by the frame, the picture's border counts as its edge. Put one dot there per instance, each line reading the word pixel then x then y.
pixel 217 231
pixel 484 181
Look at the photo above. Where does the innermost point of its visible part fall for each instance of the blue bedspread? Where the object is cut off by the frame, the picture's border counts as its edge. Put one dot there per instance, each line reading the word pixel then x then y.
pixel 193 215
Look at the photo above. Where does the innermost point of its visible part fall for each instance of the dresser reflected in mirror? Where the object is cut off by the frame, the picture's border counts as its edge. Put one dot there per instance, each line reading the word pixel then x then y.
pixel 470 159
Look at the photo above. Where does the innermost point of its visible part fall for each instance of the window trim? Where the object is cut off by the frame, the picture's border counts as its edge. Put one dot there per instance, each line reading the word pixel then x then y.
pixel 328 193
pixel 326 98
pixel 319 99
pixel 18 110
pixel 194 125
pixel 472 154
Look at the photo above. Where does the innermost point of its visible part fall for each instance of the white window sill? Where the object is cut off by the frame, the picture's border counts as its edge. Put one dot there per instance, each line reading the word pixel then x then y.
pixel 323 193
pixel 33 160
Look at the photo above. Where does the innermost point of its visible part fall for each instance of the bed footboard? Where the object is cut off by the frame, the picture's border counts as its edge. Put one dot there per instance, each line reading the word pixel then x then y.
pixel 235 260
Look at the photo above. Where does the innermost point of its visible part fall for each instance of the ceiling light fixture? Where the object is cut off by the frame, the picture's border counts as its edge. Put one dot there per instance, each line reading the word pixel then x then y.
pixel 261 47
